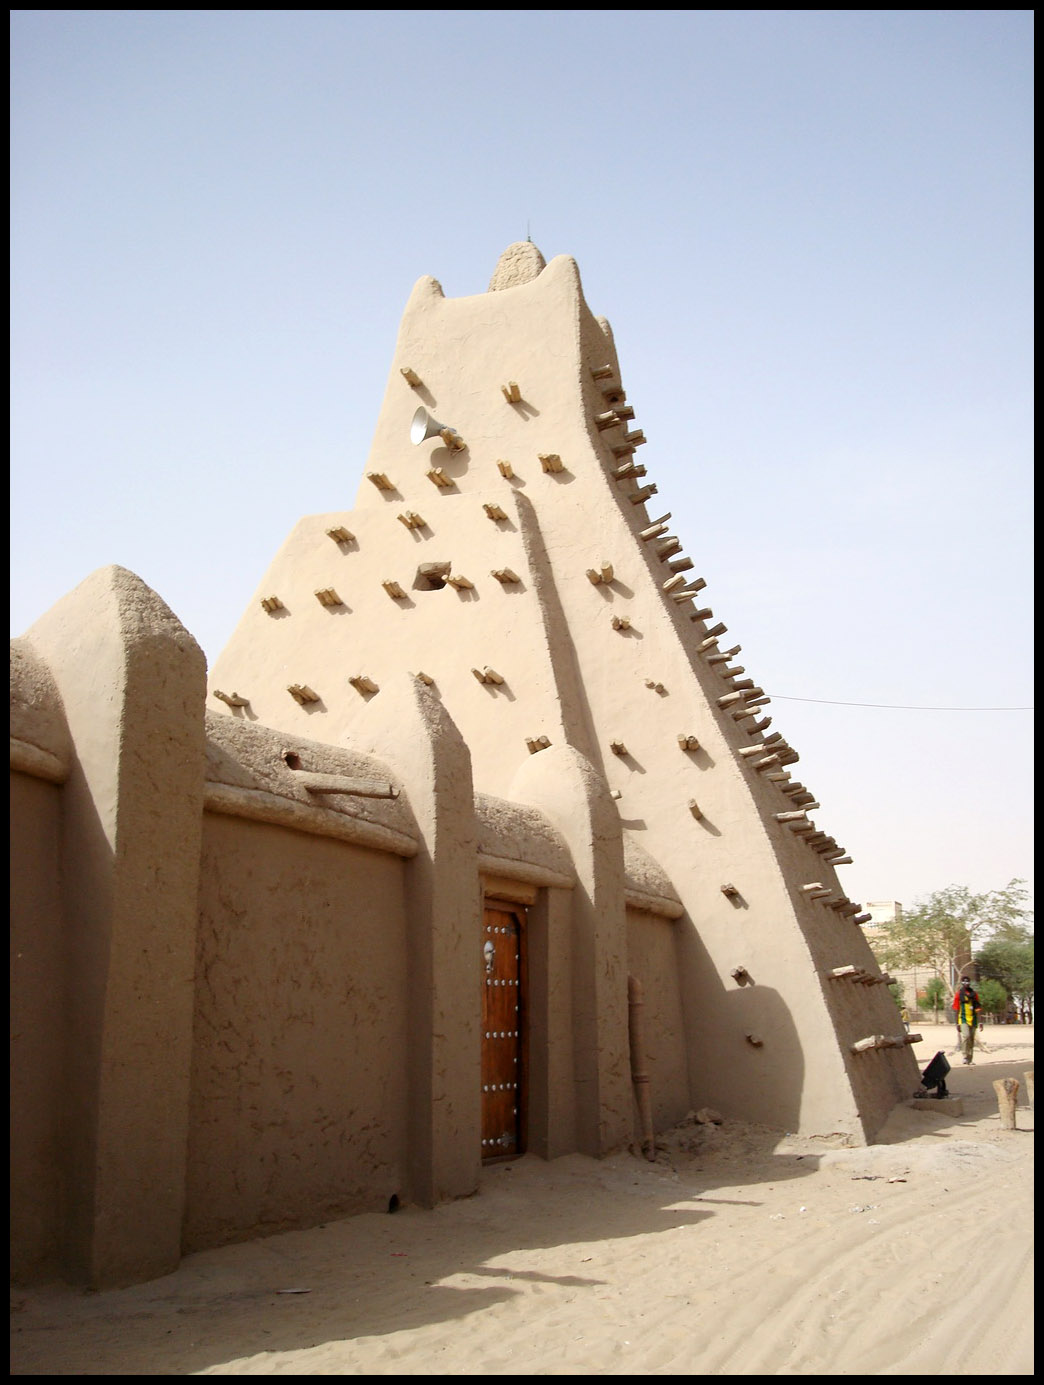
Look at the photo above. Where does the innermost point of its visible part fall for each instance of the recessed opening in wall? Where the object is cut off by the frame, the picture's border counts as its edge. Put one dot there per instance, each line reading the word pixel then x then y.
pixel 431 577
pixel 292 759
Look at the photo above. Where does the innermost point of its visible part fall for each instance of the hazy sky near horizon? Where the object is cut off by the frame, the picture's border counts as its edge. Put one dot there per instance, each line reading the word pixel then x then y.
pixel 810 230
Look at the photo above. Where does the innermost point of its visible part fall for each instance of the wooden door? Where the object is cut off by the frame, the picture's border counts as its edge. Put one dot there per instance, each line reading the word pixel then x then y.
pixel 503 1032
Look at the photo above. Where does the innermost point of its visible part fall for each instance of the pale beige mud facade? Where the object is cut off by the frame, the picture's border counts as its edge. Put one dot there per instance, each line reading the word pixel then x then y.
pixel 248 911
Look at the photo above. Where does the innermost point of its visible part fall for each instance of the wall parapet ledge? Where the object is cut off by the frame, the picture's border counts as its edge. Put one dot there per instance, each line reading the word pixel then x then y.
pixel 653 904
pixel 261 806
pixel 525 871
pixel 41 764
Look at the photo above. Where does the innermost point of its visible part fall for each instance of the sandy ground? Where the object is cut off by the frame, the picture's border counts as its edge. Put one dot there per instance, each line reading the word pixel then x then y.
pixel 741 1251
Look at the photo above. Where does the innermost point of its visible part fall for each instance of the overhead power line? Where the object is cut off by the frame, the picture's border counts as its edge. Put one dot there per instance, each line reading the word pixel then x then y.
pixel 894 706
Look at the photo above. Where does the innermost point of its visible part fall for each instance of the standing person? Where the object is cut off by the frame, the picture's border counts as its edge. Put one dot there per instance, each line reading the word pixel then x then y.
pixel 967 1010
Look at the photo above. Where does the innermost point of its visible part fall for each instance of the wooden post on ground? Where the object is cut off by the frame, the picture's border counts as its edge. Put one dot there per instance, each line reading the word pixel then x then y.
pixel 1029 1085
pixel 1007 1089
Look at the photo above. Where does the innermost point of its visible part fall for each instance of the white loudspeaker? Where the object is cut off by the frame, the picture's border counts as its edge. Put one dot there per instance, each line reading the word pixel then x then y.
pixel 424 427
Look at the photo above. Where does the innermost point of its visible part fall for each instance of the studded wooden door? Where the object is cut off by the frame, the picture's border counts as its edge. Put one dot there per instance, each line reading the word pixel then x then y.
pixel 503 1033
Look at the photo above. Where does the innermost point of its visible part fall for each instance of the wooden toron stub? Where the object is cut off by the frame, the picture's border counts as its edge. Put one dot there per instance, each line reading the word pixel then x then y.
pixel 503 1032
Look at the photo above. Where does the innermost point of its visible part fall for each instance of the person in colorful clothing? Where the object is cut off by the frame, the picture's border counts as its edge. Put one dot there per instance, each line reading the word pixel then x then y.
pixel 967 1010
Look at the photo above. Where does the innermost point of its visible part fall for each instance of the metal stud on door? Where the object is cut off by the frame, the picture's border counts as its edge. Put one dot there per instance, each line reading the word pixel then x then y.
pixel 502 1034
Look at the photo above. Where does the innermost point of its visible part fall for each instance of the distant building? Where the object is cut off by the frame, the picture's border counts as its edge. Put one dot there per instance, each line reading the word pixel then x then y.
pixel 910 980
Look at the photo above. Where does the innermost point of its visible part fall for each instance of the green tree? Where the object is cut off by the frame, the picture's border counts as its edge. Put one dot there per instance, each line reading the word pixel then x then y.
pixel 934 996
pixel 945 927
pixel 993 996
pixel 1011 964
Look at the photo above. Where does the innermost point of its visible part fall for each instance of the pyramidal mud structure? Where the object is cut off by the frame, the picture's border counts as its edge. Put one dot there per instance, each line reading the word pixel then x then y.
pixel 475 842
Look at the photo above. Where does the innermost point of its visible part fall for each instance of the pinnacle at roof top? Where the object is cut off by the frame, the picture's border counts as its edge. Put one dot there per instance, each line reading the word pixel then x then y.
pixel 520 263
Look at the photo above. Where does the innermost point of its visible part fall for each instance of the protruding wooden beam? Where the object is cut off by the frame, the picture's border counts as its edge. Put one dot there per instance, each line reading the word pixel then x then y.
pixel 326 596
pixel 537 743
pixel 656 687
pixel 343 783
pixel 411 519
pixel 884 1041
pixel 504 575
pixel 452 439
pixel 695 809
pixel 621 623
pixel 602 372
pixel 506 469
pixel 362 684
pixel 688 742
pixel 425 678
pixel 494 512
pixel 681 565
pixel 717 630
pixel 551 461
pixel 272 603
pixel 487 675
pixel 606 420
pixel 618 747
pixel 380 480
pixel 729 699
pixel 439 478
pixel 341 534
pixel 302 693
pixel 511 392
pixel 791 817
pixel 460 583
pixel 231 699
pixel 394 590
pixel 410 376
pixel 643 494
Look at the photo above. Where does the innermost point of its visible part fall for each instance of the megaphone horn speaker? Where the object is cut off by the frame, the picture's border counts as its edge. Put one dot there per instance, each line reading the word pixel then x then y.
pixel 424 427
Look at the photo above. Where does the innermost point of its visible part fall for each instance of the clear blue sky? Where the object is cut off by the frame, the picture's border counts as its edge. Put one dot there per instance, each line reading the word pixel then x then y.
pixel 810 231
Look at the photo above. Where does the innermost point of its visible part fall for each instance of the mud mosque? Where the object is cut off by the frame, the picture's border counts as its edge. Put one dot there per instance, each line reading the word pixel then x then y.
pixel 473 842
